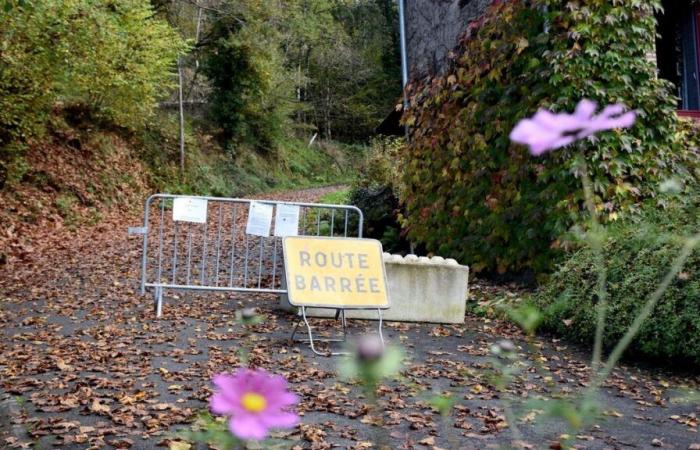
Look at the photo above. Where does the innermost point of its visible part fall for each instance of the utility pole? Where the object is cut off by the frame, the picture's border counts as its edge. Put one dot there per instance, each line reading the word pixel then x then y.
pixel 404 57
pixel 182 117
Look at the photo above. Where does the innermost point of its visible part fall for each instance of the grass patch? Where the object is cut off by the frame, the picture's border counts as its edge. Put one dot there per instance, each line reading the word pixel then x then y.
pixel 341 197
pixel 240 170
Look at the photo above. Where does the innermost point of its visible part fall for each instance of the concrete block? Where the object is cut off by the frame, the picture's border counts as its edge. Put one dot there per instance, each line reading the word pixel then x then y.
pixel 420 289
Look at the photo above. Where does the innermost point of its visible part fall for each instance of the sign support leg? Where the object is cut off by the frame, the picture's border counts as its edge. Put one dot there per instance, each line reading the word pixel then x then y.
pixel 345 325
pixel 381 336
pixel 340 314
pixel 311 336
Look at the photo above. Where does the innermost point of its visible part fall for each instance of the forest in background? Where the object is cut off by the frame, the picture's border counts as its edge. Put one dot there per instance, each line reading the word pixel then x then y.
pixel 274 95
pixel 265 68
pixel 251 74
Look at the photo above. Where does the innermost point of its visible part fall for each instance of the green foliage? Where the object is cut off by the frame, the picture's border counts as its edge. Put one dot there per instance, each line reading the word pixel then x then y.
pixel 379 166
pixel 638 255
pixel 331 65
pixel 376 193
pixel 210 171
pixel 252 89
pixel 353 77
pixel 473 195
pixel 339 197
pixel 112 58
pixel 95 61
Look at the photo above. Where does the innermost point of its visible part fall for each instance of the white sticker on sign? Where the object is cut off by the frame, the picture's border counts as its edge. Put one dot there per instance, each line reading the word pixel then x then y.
pixel 259 219
pixel 287 220
pixel 187 209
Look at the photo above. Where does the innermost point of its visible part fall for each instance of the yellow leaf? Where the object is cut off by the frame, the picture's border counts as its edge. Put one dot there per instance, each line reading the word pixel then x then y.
pixel 430 440
pixel 63 366
pixel 477 389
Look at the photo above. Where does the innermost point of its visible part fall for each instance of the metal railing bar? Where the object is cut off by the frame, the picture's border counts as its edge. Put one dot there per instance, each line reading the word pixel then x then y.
pixel 245 268
pixel 274 260
pixel 345 230
pixel 217 288
pixel 189 251
pixel 204 253
pixel 332 221
pixel 260 259
pixel 233 244
pixel 175 255
pixel 160 240
pixel 269 202
pixel 218 245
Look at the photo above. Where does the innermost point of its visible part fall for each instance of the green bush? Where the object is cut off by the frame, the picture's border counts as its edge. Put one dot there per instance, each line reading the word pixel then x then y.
pixel 638 254
pixel 252 90
pixel 376 193
pixel 113 58
pixel 473 195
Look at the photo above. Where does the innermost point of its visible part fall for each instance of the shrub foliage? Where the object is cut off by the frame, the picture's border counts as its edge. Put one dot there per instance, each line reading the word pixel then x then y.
pixel 473 195
pixel 638 256
pixel 114 58
pixel 376 192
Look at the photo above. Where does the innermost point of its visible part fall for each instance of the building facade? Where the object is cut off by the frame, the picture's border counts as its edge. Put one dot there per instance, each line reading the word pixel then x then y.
pixel 432 30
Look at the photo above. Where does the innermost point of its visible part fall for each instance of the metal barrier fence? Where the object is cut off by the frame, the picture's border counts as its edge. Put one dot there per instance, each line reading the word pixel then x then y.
pixel 217 254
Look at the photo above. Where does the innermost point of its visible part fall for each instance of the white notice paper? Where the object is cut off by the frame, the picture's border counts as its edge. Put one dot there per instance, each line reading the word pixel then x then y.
pixel 190 209
pixel 259 219
pixel 287 220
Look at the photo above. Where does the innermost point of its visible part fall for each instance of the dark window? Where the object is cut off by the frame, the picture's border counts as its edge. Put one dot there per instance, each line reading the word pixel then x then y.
pixel 677 51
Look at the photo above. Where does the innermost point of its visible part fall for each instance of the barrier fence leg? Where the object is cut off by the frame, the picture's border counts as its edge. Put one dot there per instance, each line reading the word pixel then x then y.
pixel 159 301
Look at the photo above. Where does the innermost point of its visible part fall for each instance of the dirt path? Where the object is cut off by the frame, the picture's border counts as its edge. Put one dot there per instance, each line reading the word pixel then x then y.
pixel 91 366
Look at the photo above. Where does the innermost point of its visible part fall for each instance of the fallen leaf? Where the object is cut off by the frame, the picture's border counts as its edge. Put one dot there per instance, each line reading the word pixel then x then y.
pixel 430 440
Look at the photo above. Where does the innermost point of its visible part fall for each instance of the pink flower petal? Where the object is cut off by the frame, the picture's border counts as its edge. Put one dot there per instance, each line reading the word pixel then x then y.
pixel 282 400
pixel 558 122
pixel 547 131
pixel 247 427
pixel 222 405
pixel 585 109
pixel 248 424
pixel 528 132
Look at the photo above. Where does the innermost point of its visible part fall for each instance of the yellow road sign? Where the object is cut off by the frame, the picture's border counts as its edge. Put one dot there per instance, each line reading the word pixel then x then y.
pixel 335 272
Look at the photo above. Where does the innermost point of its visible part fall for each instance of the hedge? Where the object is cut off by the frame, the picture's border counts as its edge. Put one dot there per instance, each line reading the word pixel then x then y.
pixel 638 255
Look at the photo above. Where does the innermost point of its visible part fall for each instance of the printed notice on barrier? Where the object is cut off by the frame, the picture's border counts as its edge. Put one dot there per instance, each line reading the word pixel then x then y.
pixel 259 219
pixel 335 272
pixel 186 209
pixel 287 220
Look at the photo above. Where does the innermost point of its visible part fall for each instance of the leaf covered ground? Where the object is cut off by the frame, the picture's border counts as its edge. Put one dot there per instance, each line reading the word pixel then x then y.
pixel 91 367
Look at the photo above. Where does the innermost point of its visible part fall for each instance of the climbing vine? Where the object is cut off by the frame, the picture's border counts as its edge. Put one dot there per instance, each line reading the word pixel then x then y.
pixel 472 194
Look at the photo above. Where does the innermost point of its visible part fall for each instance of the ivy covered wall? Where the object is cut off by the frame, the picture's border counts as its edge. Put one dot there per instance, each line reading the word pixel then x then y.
pixel 473 195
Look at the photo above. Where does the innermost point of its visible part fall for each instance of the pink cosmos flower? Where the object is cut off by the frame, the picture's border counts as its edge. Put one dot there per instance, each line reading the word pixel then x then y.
pixel 255 401
pixel 547 131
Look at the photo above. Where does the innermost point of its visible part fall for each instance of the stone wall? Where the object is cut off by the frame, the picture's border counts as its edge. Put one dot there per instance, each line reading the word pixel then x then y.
pixel 432 30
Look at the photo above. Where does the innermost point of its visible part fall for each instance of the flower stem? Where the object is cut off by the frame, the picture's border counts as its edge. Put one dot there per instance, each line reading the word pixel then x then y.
pixel 648 308
pixel 596 239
